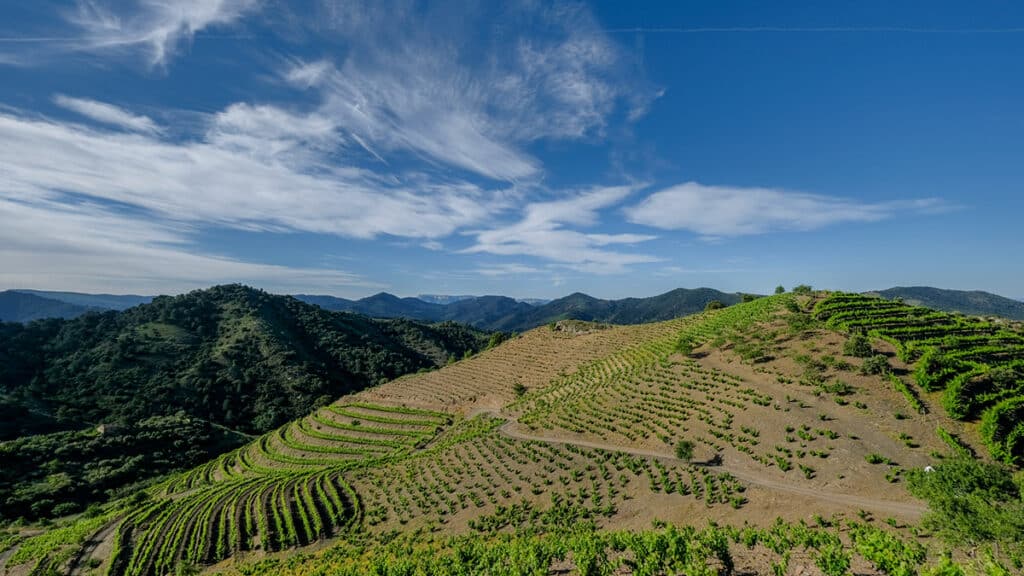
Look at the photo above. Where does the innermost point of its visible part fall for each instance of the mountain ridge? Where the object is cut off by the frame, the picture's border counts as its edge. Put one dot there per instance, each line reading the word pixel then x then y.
pixel 492 312
pixel 508 314
pixel 972 302
pixel 162 386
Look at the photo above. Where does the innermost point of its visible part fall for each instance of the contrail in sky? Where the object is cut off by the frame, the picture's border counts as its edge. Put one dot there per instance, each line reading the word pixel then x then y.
pixel 815 29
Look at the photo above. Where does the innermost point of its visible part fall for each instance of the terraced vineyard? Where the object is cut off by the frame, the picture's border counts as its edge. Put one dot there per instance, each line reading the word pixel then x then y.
pixel 746 413
pixel 533 360
pixel 284 490
pixel 979 364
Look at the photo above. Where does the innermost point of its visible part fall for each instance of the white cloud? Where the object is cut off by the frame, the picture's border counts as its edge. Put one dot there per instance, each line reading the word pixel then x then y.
pixel 419 81
pixel 507 270
pixel 53 245
pixel 542 233
pixel 108 114
pixel 226 178
pixel 158 26
pixel 721 211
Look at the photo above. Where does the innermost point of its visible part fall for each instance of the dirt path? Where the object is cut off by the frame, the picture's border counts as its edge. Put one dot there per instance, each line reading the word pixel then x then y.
pixel 910 509
pixel 80 563
pixel 5 555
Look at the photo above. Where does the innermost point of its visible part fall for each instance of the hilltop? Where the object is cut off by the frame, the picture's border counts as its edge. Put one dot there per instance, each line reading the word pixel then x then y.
pixel 812 407
pixel 181 379
pixel 973 302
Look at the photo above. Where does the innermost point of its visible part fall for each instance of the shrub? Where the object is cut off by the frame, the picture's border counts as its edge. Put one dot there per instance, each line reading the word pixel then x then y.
pixel 684 450
pixel 858 346
pixel 970 501
pixel 780 289
pixel 714 305
pixel 802 289
pixel 877 364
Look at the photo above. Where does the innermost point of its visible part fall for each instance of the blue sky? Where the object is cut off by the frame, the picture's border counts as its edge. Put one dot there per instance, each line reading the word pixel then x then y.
pixel 532 149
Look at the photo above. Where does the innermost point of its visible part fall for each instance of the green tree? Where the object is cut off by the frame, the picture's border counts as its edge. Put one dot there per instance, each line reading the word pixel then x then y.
pixel 877 364
pixel 858 346
pixel 684 450
pixel 714 305
pixel 802 289
pixel 685 346
pixel 780 289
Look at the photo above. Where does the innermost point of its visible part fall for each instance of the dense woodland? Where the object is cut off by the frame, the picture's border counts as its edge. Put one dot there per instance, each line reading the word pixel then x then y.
pixel 201 371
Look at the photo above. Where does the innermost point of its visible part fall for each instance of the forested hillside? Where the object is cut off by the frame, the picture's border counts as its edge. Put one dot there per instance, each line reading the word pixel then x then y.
pixel 224 362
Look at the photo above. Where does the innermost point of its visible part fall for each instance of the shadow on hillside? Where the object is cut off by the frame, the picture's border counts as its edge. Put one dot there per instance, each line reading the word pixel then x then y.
pixel 715 460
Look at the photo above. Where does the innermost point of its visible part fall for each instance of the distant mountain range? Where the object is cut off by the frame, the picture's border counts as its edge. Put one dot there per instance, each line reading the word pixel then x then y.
pixel 449 299
pixel 28 305
pixel 503 313
pixel 25 307
pixel 507 314
pixel 443 298
pixel 973 302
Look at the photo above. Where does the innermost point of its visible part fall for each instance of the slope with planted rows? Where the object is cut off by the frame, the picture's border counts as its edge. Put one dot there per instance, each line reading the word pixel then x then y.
pixel 775 408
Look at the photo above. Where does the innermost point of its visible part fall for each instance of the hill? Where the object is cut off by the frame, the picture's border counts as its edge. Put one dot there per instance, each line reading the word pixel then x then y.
pixel 974 302
pixel 801 426
pixel 18 306
pixel 507 314
pixel 94 301
pixel 198 371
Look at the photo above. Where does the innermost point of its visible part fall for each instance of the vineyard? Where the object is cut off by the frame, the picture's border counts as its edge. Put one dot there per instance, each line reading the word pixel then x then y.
pixel 284 490
pixel 540 448
pixel 533 360
pixel 978 364
pixel 826 548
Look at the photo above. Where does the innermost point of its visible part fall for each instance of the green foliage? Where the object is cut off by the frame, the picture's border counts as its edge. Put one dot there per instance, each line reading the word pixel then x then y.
pixel 979 364
pixel 858 346
pixel 518 389
pixel 877 364
pixel 891 555
pixel 684 450
pixel 970 501
pixel 1002 429
pixel 780 289
pixel 833 559
pixel 229 356
pixel 61 473
pixel 803 289
pixel 714 305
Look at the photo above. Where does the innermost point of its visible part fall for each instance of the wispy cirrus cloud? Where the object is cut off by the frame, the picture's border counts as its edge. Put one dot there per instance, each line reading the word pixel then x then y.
pixel 224 178
pixel 153 30
pixel 724 211
pixel 544 232
pixel 108 114
pixel 110 209
pixel 509 269
pixel 54 245
pixel 408 84
pixel 157 27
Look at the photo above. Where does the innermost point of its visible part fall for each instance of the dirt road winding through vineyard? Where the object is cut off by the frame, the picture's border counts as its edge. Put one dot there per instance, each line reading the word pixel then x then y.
pixel 908 509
